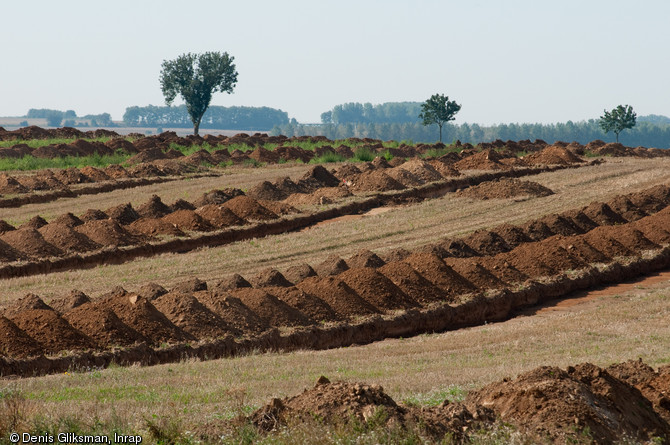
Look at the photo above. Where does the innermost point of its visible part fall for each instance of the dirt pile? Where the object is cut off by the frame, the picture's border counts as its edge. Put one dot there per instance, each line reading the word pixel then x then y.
pixel 249 209
pixel 483 160
pixel 504 189
pixel 553 155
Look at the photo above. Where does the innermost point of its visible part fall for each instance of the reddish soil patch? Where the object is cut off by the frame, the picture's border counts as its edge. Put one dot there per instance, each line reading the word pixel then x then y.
pixel 310 305
pixel 375 181
pixel 25 303
pixel 95 174
pixel 347 172
pixel 422 170
pixel 102 325
pixel 34 223
pixel 143 316
pixel 602 214
pixel 412 283
pixel 484 160
pixel 93 215
pixel 188 220
pixel 512 235
pixel 553 155
pixel 475 273
pixel 404 177
pixel 193 317
pixel 505 188
pixel 220 216
pixel 320 176
pixel 5 226
pixel 65 304
pixel 365 258
pixel 30 243
pixel 67 219
pixel 51 331
pixel 8 253
pixel 154 208
pixel 431 267
pixel 486 242
pixel 332 265
pixel 249 209
pixel 67 239
pixel 235 313
pixel 153 226
pixel 299 272
pixel 376 289
pixel 278 207
pixel 338 295
pixel 234 281
pixel 270 277
pixel 10 186
pixel 107 233
pixel 561 225
pixel 560 404
pixel 16 343
pixel 266 190
pixel 544 258
pixel 270 309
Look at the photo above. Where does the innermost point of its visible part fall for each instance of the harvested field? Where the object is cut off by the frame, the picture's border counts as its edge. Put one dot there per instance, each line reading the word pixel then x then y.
pixel 293 258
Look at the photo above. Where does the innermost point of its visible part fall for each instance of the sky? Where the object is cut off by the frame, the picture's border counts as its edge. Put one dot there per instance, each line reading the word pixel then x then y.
pixel 504 61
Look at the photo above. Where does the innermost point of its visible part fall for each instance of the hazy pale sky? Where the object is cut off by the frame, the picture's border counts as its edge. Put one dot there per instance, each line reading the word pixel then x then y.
pixel 503 61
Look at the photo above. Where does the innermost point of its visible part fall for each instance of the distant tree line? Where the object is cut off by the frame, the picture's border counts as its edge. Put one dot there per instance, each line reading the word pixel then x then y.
pixel 237 118
pixel 386 113
pixel 56 118
pixel 644 133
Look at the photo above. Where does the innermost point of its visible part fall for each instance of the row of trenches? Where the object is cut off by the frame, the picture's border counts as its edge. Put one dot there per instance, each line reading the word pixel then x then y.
pixel 124 225
pixel 341 292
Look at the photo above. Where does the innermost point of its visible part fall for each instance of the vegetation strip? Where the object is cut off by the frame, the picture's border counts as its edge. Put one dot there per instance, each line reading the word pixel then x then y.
pixel 121 255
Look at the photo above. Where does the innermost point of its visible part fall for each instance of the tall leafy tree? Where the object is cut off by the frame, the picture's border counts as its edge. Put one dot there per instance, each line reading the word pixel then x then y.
pixel 617 120
pixel 438 110
pixel 195 77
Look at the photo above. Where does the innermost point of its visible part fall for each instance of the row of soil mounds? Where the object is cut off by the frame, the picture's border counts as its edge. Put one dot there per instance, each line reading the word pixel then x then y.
pixel 457 290
pixel 63 179
pixel 124 225
pixel 546 405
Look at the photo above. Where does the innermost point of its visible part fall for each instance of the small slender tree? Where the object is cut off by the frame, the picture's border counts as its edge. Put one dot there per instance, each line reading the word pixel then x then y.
pixel 195 77
pixel 617 120
pixel 438 110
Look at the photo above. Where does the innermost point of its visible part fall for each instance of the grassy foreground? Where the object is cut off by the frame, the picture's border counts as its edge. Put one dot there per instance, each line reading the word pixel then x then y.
pixel 195 401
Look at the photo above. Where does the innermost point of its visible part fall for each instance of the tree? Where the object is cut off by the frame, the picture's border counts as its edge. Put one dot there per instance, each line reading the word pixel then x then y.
pixel 617 120
pixel 54 118
pixel 438 110
pixel 195 77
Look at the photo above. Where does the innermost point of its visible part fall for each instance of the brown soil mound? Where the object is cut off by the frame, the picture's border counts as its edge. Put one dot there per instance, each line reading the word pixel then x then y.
pixel 411 282
pixel 375 181
pixel 578 247
pixel 421 169
pixel 365 258
pixel 544 258
pixel 154 208
pixel 34 223
pixel 325 195
pixel 220 216
pixel 631 239
pixel 558 405
pixel 249 209
pixel 560 225
pixel 193 317
pixel 505 188
pixel 188 220
pixel 190 285
pixel 445 169
pixel 310 305
pixel 299 272
pixel 652 200
pixel 278 207
pixel 71 175
pixel 235 281
pixel 602 214
pixel 25 303
pixel 95 174
pixel 10 186
pixel 116 171
pixel 266 190
pixel 347 172
pixel 512 235
pixel 107 233
pixel 270 309
pixel 262 155
pixel 148 155
pixel 286 186
pixel 181 204
pixel 102 325
pixel 16 343
pixel 338 295
pixel 653 385
pixel 332 403
pixel 396 254
pixel 67 219
pixel 143 316
pixel 486 242
pixel 503 270
pixel 625 207
pixel 51 331
pixel 652 230
pixel 235 313
pixel 65 304
pixel 93 215
pixel 322 177
pixel 217 196
pixel 151 291
pixel 537 230
pixel 67 239
pixel 484 160
pixel 432 268
pixel 376 289
pixel 579 219
pixel 30 243
pixel 153 226
pixel 404 177
pixel 270 277
pixel 5 226
pixel 474 272
pixel 553 155
pixel 332 265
